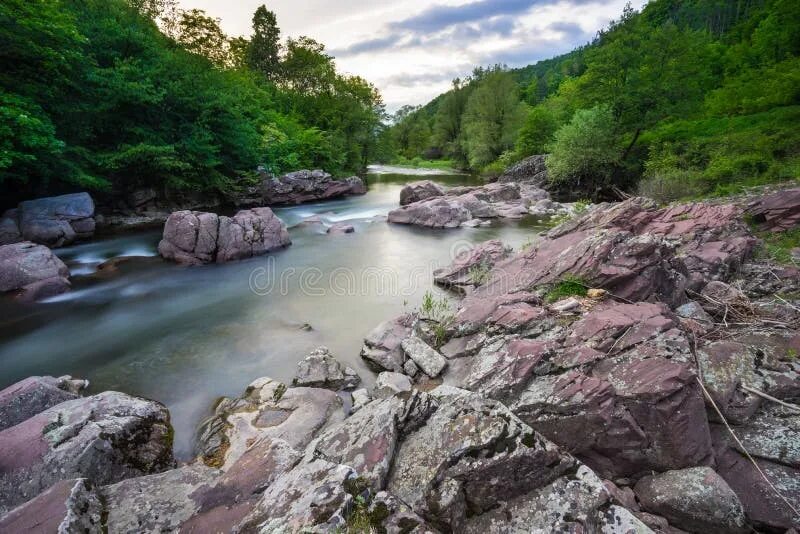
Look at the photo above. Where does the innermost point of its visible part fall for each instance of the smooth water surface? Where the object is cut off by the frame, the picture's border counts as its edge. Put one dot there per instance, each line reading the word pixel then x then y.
pixel 187 335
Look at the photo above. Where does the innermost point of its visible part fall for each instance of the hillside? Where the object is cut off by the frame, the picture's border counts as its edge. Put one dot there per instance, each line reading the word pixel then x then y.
pixel 685 98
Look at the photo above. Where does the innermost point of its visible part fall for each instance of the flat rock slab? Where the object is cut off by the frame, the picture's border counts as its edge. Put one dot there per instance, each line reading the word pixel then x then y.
pixel 426 357
pixel 34 395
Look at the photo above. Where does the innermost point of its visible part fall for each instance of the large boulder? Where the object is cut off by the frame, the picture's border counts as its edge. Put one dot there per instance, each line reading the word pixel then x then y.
pixel 321 370
pixel 532 169
pixel 382 350
pixel 695 499
pixel 9 229
pixel 471 267
pixel 67 506
pixel 105 438
pixel 57 221
pixel 267 409
pixel 778 211
pixel 308 186
pixel 193 237
pixel 437 212
pixel 35 394
pixel 32 270
pixel 422 190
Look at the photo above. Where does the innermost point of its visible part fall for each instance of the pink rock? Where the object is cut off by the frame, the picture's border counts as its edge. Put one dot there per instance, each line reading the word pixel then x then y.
pixel 778 211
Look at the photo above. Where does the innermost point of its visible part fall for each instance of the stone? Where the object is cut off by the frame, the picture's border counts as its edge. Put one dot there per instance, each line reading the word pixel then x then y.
pixel 388 383
pixel 777 211
pixel 321 370
pixel 410 368
pixel 566 305
pixel 471 267
pixel 308 186
pixel 32 270
pixel 426 357
pixel 106 438
pixel 368 439
pixel 532 169
pixel 695 499
pixel 471 453
pixel 308 496
pixel 437 212
pixel 421 190
pixel 267 409
pixel 67 506
pixel 396 516
pixel 340 228
pixel 9 229
pixel 360 398
pixel 382 350
pixel 724 366
pixel 35 394
pixel 57 221
pixel 693 310
pixel 193 237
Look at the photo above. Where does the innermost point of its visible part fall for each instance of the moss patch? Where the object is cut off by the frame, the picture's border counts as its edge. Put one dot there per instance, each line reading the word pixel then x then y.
pixel 569 286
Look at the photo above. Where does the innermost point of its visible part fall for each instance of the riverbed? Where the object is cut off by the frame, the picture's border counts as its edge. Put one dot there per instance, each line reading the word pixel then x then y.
pixel 188 335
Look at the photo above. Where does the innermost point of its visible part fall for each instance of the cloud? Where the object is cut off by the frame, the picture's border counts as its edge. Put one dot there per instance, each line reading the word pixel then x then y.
pixel 369 45
pixel 439 17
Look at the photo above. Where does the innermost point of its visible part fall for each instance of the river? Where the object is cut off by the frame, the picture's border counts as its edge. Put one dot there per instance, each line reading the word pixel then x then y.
pixel 188 335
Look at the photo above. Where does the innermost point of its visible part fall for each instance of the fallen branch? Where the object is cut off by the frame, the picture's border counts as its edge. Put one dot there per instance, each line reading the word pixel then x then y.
pixel 763 395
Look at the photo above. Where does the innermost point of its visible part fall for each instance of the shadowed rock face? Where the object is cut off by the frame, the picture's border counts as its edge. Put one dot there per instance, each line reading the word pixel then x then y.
pixel 66 506
pixel 194 237
pixel 33 270
pixel 307 186
pixel 105 437
pixel 422 190
pixel 778 211
pixel 54 221
pixel 34 395
pixel 471 266
pixel 532 170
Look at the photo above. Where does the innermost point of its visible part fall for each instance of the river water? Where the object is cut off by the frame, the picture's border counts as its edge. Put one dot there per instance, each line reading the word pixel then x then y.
pixel 187 335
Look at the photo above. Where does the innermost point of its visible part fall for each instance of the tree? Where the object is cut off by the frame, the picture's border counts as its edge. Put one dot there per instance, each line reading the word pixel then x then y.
pixel 537 132
pixel 201 35
pixel 492 118
pixel 264 50
pixel 585 152
pixel 446 132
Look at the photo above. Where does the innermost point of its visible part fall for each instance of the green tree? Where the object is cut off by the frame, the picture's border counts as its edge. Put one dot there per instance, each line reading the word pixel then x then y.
pixel 585 152
pixel 537 132
pixel 492 118
pixel 200 34
pixel 264 50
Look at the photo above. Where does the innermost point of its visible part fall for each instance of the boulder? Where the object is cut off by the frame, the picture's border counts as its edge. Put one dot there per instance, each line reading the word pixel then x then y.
pixel 532 169
pixel 267 409
pixel 470 455
pixel 387 384
pixel 9 229
pixel 360 398
pixel 57 221
pixel 426 357
pixel 438 212
pixel 421 190
pixel 471 267
pixel 695 499
pixel 777 211
pixel 724 366
pixel 308 186
pixel 193 237
pixel 321 370
pixel 382 350
pixel 67 506
pixel 35 394
pixel 340 228
pixel 32 270
pixel 105 438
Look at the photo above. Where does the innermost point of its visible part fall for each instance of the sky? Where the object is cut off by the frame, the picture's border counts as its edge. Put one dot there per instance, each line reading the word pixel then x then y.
pixel 412 50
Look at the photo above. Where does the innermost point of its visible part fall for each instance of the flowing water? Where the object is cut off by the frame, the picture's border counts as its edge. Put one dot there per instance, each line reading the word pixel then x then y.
pixel 187 335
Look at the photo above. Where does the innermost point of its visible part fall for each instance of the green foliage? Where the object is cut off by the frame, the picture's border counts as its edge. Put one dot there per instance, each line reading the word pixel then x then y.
pixel 116 94
pixel 439 312
pixel 585 151
pixel 479 273
pixel 778 246
pixel 568 286
pixel 537 132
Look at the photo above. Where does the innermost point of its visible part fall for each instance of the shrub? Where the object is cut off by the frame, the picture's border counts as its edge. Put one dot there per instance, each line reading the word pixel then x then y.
pixel 568 286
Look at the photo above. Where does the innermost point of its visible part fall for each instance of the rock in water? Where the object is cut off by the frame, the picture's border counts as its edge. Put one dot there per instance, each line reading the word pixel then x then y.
pixel 426 357
pixel 9 228
pixel 307 186
pixel 34 395
pixel 695 499
pixel 471 267
pixel 321 370
pixel 435 213
pixel 422 190
pixel 33 270
pixel 57 221
pixel 382 350
pixel 194 237
pixel 105 438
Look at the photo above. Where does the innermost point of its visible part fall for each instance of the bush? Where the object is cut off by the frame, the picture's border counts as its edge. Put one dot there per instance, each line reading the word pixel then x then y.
pixel 537 132
pixel 585 152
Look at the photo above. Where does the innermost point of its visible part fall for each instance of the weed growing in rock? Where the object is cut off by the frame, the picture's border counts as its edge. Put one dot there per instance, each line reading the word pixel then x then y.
pixel 479 273
pixel 568 286
pixel 438 311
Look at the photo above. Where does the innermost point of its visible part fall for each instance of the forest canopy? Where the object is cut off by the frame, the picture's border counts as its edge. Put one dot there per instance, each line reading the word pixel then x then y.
pixel 115 95
pixel 685 98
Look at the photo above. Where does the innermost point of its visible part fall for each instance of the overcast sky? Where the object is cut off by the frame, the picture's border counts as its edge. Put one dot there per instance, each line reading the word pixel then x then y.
pixel 412 49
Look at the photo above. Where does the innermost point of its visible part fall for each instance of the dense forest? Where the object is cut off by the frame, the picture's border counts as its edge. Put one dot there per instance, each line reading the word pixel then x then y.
pixel 112 95
pixel 685 98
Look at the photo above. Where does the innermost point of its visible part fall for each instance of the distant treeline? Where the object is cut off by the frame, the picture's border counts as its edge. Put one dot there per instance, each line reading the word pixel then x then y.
pixel 115 95
pixel 685 98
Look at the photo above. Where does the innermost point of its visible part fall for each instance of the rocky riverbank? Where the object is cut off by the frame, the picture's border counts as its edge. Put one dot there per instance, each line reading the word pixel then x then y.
pixel 590 382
